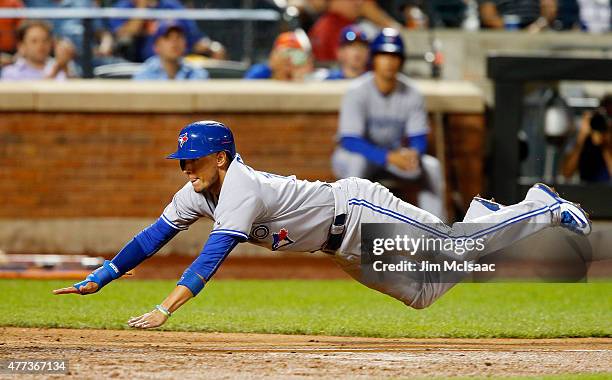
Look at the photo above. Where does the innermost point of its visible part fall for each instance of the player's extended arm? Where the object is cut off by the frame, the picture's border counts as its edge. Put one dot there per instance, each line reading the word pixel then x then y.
pixel 362 146
pixel 378 155
pixel 142 246
pixel 418 143
pixel 194 278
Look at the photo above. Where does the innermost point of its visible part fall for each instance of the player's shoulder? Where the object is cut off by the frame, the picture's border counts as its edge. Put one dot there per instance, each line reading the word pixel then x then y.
pixel 189 196
pixel 362 82
pixel 240 176
pixel 361 86
pixel 408 85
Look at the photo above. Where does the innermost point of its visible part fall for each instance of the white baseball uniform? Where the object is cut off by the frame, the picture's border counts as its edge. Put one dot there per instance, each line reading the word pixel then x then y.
pixel 287 214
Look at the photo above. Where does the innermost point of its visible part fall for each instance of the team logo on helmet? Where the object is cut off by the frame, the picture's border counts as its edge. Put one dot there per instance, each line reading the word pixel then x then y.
pixel 183 139
pixel 281 239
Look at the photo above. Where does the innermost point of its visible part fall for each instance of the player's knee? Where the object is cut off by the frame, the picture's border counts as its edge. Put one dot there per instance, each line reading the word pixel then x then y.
pixel 431 165
pixel 347 164
pixel 421 301
pixel 418 304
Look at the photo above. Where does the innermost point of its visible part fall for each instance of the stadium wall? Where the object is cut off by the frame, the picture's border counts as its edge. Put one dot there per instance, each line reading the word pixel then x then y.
pixel 82 163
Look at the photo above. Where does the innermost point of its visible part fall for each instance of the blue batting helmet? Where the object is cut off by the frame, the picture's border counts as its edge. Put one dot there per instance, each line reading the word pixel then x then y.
pixel 202 138
pixel 388 41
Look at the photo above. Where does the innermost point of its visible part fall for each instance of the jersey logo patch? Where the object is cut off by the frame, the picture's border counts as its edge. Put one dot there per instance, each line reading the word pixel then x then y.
pixel 183 139
pixel 281 239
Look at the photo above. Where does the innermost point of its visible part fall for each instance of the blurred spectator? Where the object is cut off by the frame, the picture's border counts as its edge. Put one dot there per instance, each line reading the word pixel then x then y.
pixel 325 33
pixel 309 11
pixel 419 14
pixel 136 35
pixel 567 15
pixel 34 44
pixel 72 30
pixel 517 14
pixel 374 13
pixel 170 45
pixel 383 128
pixel 352 55
pixel 290 59
pixel 595 15
pixel 8 40
pixel 414 15
pixel 591 154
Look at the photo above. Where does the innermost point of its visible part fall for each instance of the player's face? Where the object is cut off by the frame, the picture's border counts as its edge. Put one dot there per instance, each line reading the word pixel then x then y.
pixel 203 172
pixel 387 66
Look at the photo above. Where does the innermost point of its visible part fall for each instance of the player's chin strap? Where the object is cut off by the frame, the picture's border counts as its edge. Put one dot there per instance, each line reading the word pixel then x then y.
pixel 337 229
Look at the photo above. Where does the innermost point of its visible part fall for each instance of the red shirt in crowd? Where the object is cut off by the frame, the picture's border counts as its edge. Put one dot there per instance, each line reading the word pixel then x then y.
pixel 8 40
pixel 325 35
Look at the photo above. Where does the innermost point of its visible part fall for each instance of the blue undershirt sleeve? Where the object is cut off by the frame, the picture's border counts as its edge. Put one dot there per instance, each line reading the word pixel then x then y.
pixel 144 245
pixel 370 151
pixel 204 267
pixel 418 142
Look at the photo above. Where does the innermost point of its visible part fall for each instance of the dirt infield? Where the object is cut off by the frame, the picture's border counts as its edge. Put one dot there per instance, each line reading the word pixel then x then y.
pixel 154 354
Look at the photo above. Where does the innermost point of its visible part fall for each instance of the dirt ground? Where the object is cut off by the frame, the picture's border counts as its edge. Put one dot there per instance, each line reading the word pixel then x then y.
pixel 182 355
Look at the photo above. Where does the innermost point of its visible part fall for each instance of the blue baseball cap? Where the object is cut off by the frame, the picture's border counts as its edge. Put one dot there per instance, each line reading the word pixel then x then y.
pixel 352 33
pixel 165 27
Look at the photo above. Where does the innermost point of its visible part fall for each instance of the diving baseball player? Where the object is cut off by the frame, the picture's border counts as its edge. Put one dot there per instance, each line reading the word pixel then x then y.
pixel 287 214
pixel 383 127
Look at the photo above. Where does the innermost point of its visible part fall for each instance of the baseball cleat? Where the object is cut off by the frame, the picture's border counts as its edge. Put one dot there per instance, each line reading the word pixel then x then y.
pixel 490 204
pixel 574 218
pixel 545 194
pixel 565 213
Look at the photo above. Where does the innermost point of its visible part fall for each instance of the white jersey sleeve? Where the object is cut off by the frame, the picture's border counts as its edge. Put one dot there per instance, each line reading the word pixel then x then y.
pixel 416 116
pixel 353 114
pixel 240 202
pixel 186 207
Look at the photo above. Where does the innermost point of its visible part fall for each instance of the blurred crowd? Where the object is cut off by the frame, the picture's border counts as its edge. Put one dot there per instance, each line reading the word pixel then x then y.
pixel 328 34
pixel 319 40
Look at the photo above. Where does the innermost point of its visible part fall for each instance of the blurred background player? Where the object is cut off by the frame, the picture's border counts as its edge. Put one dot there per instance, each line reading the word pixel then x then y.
pixel 34 62
pixel 591 155
pixel 168 63
pixel 353 54
pixel 381 113
pixel 290 59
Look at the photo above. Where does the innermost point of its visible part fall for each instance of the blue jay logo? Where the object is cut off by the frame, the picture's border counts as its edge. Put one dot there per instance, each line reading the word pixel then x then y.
pixel 183 139
pixel 281 239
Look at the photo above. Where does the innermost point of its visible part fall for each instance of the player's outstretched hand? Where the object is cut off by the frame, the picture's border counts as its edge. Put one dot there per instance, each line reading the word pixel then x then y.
pixel 149 320
pixel 88 288
pixel 90 285
pixel 404 158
